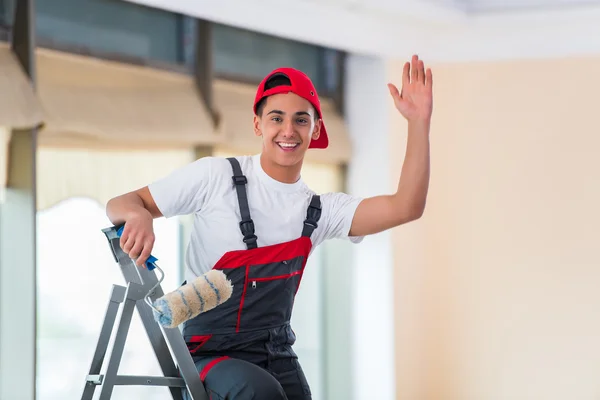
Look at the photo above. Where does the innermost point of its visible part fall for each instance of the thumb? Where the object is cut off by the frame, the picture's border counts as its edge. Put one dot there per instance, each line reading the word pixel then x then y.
pixel 398 100
pixel 394 91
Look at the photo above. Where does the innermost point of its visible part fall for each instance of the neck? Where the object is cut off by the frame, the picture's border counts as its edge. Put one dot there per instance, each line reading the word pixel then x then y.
pixel 281 173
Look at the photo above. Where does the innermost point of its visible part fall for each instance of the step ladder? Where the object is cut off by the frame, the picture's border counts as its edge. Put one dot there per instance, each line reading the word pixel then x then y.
pixel 177 366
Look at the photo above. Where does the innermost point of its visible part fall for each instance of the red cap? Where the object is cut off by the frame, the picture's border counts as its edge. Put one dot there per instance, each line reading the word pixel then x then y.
pixel 303 87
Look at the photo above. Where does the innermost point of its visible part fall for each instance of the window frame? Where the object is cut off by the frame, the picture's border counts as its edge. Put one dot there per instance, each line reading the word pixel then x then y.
pixel 336 96
pixel 84 50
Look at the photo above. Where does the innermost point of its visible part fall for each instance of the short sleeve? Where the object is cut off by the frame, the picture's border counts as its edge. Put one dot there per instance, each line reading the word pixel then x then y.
pixel 184 190
pixel 338 210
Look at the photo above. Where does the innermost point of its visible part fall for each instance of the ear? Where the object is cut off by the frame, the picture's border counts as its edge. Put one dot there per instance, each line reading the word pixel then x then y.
pixel 256 124
pixel 317 129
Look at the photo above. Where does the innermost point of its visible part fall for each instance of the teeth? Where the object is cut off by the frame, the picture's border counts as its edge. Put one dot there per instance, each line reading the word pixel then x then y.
pixel 288 145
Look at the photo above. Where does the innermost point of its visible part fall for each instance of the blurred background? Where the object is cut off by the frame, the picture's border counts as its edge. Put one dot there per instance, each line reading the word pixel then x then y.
pixel 492 295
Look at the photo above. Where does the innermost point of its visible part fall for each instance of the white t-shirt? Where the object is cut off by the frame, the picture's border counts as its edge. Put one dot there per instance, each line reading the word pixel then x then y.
pixel 205 189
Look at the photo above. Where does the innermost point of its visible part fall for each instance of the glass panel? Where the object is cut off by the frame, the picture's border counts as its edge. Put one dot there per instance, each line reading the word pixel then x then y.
pixel 331 70
pixel 189 28
pixel 7 10
pixel 111 26
pixel 250 56
pixel 76 271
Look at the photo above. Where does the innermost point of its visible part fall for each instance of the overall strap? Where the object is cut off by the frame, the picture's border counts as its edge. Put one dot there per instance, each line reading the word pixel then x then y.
pixel 313 213
pixel 246 224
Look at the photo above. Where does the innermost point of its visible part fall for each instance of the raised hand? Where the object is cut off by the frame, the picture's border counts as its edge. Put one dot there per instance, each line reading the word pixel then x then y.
pixel 415 100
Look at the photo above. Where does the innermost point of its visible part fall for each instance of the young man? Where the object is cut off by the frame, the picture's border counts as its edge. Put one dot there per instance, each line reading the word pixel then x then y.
pixel 257 221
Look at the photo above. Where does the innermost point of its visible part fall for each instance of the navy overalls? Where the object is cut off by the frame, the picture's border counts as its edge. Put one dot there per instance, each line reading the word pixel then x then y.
pixel 243 348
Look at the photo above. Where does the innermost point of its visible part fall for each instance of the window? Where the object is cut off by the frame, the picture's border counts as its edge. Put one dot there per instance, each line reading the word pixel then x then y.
pixel 7 11
pixel 76 271
pixel 248 56
pixel 110 27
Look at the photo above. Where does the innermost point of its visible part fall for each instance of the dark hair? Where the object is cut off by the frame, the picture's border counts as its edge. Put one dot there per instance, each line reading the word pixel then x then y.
pixel 272 82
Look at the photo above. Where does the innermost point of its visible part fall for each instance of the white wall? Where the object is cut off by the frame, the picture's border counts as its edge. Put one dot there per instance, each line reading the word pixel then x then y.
pixel 367 100
pixel 501 274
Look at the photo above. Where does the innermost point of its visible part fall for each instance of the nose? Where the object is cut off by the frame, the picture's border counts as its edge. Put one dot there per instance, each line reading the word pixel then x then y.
pixel 288 128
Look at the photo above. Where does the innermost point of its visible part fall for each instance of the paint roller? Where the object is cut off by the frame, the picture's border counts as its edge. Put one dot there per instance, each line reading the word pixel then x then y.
pixel 191 299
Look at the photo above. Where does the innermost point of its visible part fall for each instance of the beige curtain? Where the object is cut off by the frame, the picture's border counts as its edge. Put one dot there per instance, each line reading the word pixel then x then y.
pixel 112 127
pixel 101 175
pixel 4 143
pixel 100 104
pixel 19 106
pixel 234 104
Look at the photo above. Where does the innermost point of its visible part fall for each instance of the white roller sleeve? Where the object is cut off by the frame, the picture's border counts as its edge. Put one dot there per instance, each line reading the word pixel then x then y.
pixel 203 294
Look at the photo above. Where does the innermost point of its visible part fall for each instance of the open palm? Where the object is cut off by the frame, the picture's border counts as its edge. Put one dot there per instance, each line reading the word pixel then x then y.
pixel 415 101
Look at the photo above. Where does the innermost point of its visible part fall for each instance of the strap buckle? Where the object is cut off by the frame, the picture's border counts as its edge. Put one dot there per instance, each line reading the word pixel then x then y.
pixel 250 239
pixel 247 227
pixel 239 179
pixel 313 214
pixel 313 224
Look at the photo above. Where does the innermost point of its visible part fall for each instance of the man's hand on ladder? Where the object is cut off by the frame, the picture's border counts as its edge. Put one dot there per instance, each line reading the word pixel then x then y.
pixel 137 239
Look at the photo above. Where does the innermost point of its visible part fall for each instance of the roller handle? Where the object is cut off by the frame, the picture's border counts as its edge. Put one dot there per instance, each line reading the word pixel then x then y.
pixel 150 262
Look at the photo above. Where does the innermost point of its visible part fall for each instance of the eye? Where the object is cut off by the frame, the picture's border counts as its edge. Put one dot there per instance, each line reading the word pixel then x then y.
pixel 276 119
pixel 302 120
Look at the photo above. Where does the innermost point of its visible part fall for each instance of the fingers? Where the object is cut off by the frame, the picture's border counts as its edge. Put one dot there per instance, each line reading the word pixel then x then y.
pixel 141 261
pixel 127 243
pixel 141 251
pixel 406 75
pixel 124 238
pixel 429 79
pixel 414 69
pixel 137 244
pixel 413 72
pixel 136 250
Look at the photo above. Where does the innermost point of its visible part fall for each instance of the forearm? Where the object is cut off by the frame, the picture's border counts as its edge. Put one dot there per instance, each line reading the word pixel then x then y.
pixel 414 178
pixel 121 208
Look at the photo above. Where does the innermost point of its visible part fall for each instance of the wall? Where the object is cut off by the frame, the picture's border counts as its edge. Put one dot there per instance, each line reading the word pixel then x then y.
pixel 497 286
pixel 371 264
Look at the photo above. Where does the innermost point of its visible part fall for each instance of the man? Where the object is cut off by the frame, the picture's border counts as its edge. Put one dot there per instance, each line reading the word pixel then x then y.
pixel 257 221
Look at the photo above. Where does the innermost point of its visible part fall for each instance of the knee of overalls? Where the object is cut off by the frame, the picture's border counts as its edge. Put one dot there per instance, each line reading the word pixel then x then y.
pixel 235 379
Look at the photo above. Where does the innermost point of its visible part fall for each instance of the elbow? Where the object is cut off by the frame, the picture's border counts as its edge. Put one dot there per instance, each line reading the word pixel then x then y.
pixel 110 211
pixel 408 207
pixel 419 210
pixel 116 209
pixel 417 215
pixel 413 216
pixel 413 213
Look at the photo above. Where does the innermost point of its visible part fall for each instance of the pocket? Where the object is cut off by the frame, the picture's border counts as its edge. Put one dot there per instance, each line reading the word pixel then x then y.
pixel 269 294
pixel 281 270
pixel 195 342
pixel 268 302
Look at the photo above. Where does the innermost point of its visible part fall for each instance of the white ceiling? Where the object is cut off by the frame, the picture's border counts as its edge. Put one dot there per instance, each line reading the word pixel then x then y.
pixel 481 6
pixel 439 30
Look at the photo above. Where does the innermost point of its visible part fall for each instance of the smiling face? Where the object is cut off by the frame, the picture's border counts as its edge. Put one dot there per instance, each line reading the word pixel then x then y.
pixel 287 123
